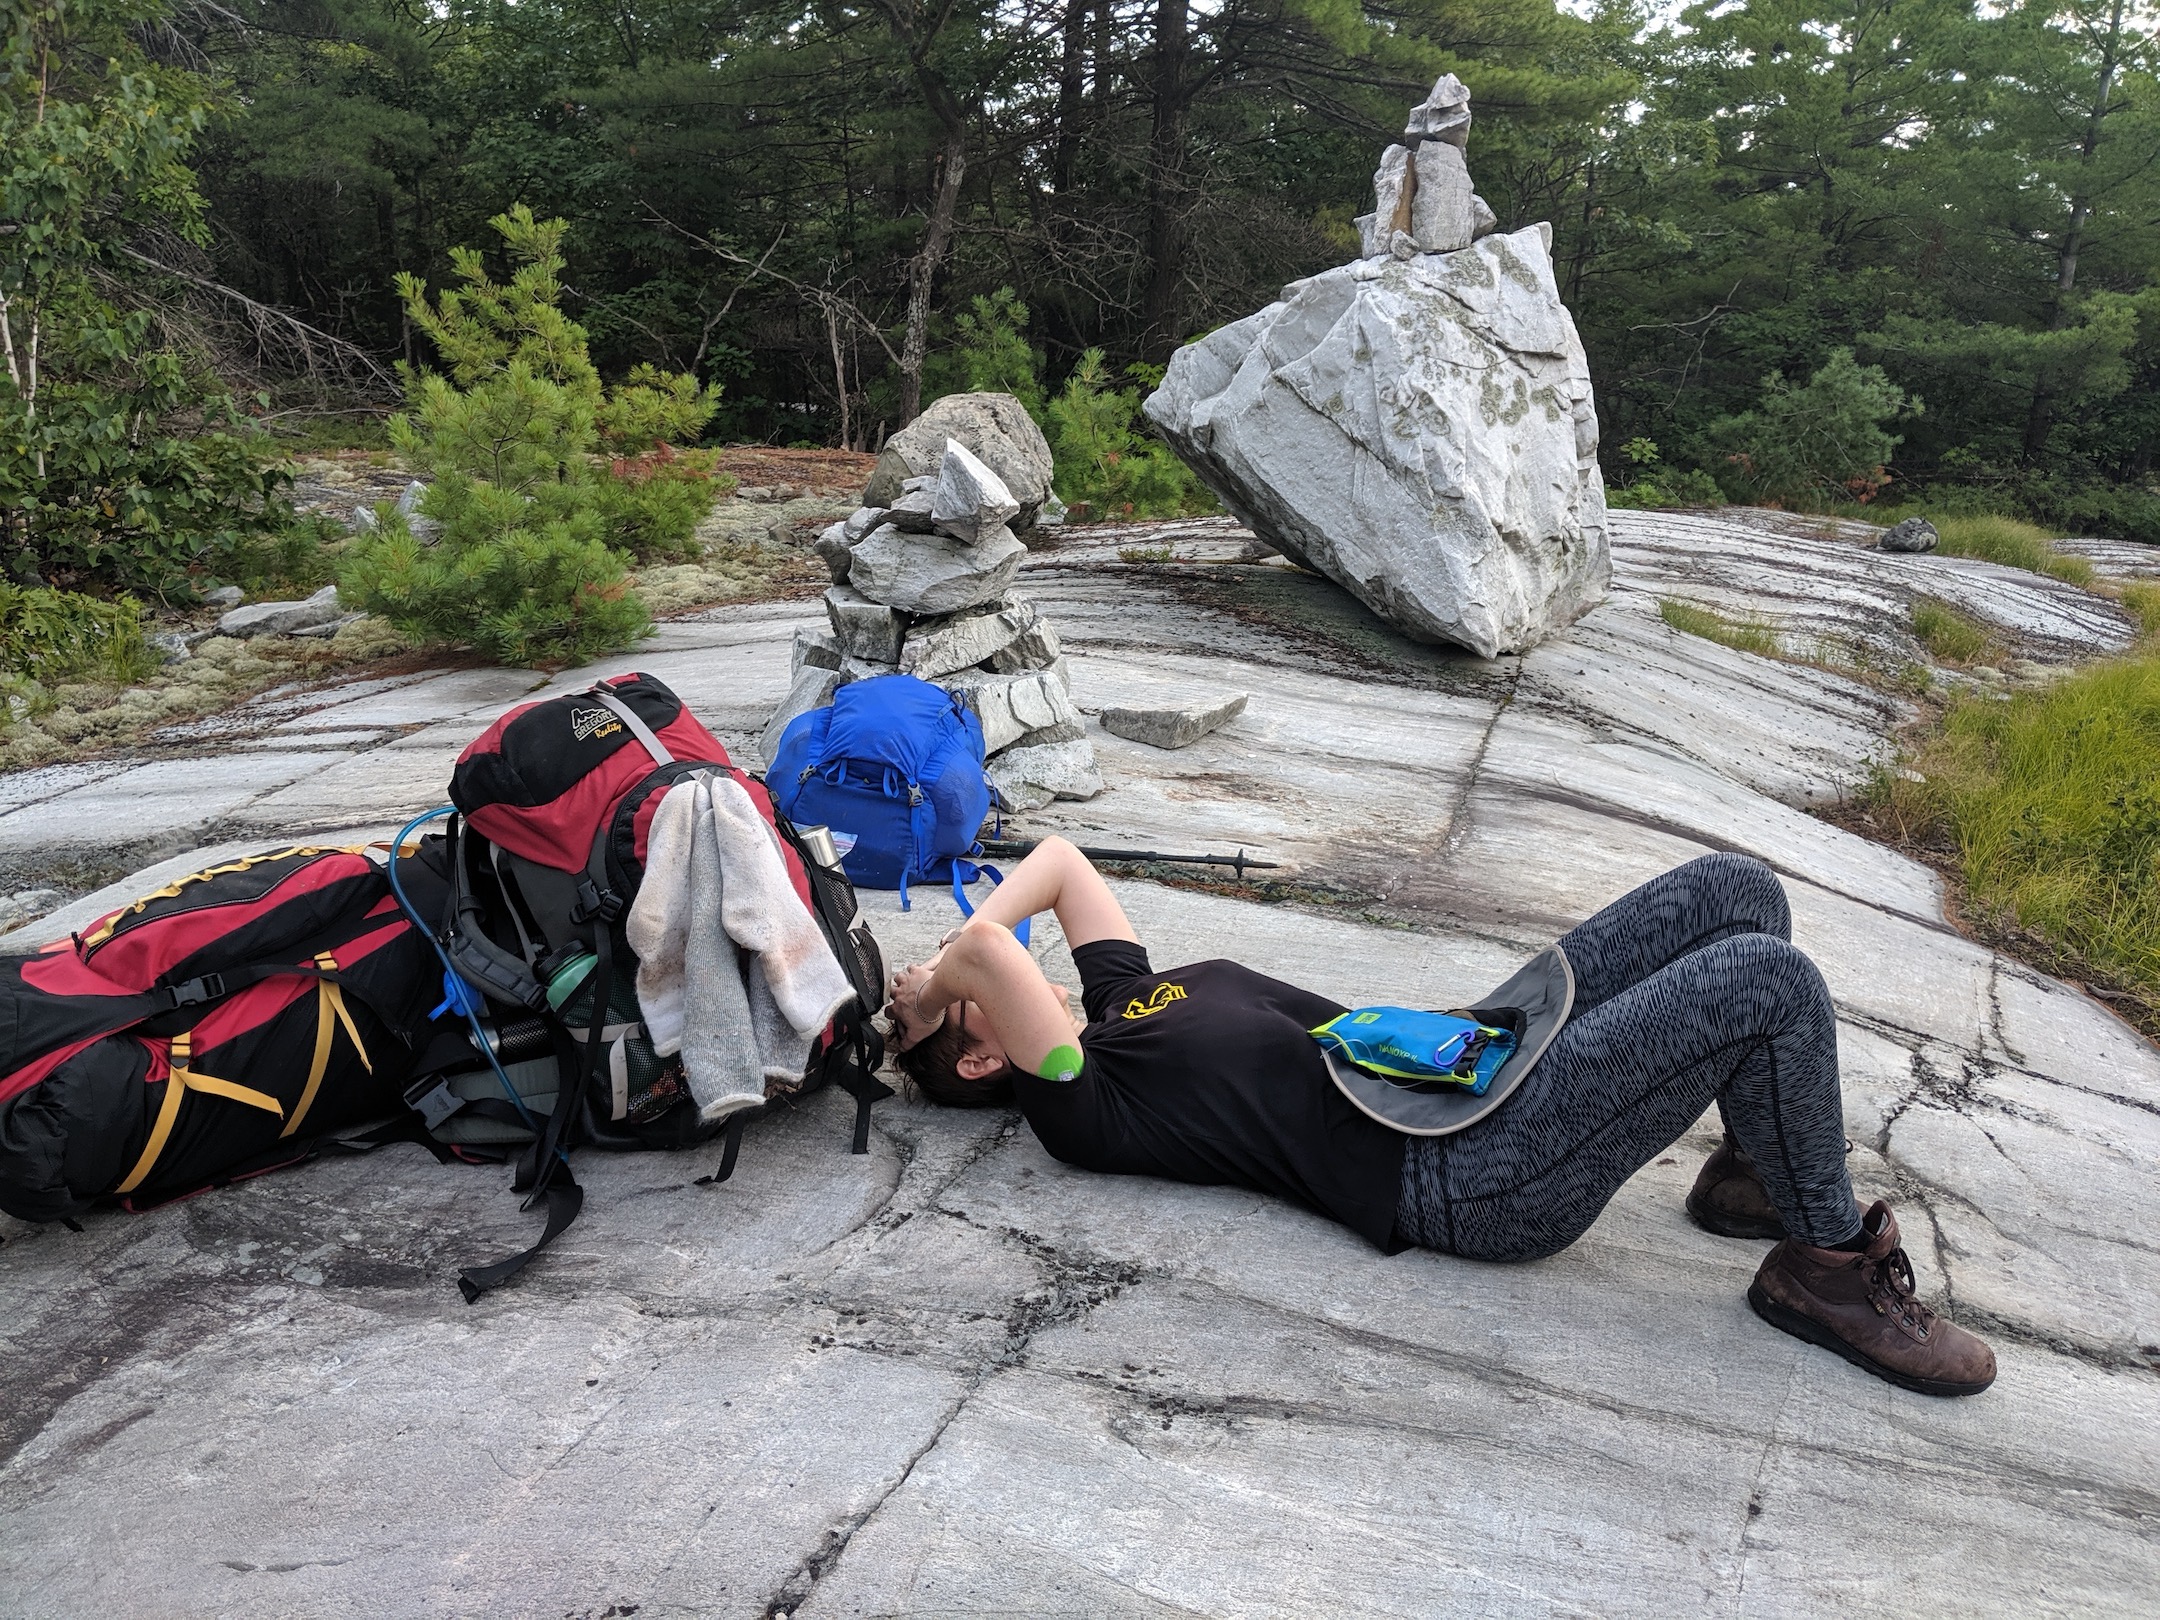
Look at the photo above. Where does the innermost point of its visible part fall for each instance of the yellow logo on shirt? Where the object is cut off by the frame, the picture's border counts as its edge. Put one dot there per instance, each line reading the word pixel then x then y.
pixel 1160 998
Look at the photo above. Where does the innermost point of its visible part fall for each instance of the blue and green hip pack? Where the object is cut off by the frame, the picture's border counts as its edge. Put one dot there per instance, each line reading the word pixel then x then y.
pixel 1413 1048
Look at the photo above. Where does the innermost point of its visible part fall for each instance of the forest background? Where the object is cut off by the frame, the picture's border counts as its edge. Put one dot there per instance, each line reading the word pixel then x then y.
pixel 1818 252
pixel 838 211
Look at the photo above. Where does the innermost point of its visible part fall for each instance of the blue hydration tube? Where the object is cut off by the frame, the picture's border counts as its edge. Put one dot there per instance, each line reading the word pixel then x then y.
pixel 965 872
pixel 457 994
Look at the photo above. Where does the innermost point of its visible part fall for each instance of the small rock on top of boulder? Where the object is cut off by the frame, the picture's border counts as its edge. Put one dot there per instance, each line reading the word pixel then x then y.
pixel 994 427
pixel 970 500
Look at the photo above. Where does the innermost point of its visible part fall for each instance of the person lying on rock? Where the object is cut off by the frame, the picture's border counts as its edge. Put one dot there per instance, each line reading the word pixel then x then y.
pixel 1686 991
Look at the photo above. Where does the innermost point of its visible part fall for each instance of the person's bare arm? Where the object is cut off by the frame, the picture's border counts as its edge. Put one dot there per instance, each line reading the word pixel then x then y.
pixel 988 966
pixel 1056 877
pixel 985 964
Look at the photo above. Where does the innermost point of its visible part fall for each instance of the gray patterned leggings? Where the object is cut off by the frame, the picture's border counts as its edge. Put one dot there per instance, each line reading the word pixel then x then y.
pixel 1688 989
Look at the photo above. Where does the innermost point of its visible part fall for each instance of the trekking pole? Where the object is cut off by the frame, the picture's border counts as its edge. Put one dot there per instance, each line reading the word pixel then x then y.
pixel 1240 863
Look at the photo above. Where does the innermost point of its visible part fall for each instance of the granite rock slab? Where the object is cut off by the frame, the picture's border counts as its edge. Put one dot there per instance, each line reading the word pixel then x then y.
pixel 1174 725
pixel 953 1375
pixel 281 618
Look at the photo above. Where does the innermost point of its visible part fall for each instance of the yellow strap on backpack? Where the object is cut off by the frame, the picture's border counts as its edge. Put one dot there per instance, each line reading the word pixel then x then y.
pixel 329 1005
pixel 180 1081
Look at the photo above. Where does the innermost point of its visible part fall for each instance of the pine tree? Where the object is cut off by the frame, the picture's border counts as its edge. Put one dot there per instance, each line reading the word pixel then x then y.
pixel 529 562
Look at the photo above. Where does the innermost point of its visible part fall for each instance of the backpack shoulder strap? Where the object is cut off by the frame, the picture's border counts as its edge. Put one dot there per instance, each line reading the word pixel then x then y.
pixel 638 728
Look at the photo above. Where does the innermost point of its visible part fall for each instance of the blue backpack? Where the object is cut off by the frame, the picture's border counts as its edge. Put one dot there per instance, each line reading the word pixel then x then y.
pixel 894 767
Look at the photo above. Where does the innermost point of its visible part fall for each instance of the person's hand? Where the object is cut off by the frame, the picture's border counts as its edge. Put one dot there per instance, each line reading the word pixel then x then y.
pixel 912 1021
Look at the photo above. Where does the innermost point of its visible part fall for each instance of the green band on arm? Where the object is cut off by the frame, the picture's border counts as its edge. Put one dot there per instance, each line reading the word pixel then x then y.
pixel 1062 1063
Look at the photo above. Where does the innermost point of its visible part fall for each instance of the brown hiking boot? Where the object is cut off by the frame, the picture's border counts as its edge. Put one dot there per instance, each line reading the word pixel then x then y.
pixel 1862 1306
pixel 1729 1198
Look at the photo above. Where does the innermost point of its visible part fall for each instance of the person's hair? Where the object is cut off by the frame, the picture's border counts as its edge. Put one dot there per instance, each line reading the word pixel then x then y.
pixel 932 1068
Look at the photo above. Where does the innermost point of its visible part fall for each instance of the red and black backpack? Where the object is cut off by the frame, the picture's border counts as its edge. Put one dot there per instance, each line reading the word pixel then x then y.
pixel 226 1025
pixel 533 877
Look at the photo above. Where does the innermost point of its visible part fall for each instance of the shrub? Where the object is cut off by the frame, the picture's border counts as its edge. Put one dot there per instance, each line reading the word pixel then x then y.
pixel 49 636
pixel 126 466
pixel 1747 635
pixel 1997 539
pixel 295 560
pixel 990 353
pixel 651 505
pixel 1655 485
pixel 1824 438
pixel 1106 460
pixel 521 588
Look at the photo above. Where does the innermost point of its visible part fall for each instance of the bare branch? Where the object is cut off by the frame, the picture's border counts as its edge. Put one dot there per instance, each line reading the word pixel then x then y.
pixel 276 332
pixel 828 301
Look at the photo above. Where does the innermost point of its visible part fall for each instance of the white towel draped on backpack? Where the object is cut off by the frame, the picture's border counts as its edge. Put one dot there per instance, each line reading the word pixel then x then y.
pixel 733 970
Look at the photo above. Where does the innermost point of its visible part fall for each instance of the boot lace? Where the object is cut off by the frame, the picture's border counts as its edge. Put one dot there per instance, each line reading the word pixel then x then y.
pixel 1892 1291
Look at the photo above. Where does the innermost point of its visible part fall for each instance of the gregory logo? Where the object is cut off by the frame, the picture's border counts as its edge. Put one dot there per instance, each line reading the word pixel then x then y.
pixel 588 723
pixel 1158 999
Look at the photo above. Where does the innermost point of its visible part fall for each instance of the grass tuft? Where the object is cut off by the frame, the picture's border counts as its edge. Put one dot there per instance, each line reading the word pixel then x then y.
pixel 2052 803
pixel 2009 541
pixel 2142 598
pixel 1747 635
pixel 1951 636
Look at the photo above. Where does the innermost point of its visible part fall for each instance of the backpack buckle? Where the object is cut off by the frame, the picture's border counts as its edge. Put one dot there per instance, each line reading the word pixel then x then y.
pixel 194 992
pixel 593 901
pixel 434 1102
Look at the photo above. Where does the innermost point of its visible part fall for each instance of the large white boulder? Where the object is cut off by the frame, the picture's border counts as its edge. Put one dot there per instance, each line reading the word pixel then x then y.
pixel 1419 429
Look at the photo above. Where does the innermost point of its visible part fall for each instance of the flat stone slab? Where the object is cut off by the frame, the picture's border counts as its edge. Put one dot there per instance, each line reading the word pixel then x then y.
pixel 955 1376
pixel 1177 725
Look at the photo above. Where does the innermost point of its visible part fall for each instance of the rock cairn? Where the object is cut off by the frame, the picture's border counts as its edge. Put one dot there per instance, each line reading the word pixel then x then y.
pixel 922 585
pixel 1418 424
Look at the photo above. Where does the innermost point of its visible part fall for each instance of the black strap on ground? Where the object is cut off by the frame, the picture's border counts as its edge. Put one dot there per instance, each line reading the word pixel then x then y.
pixel 735 1124
pixel 564 1199
pixel 404 1128
pixel 867 1089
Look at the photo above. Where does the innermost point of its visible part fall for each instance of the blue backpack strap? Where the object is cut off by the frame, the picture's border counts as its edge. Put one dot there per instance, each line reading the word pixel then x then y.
pixel 966 872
